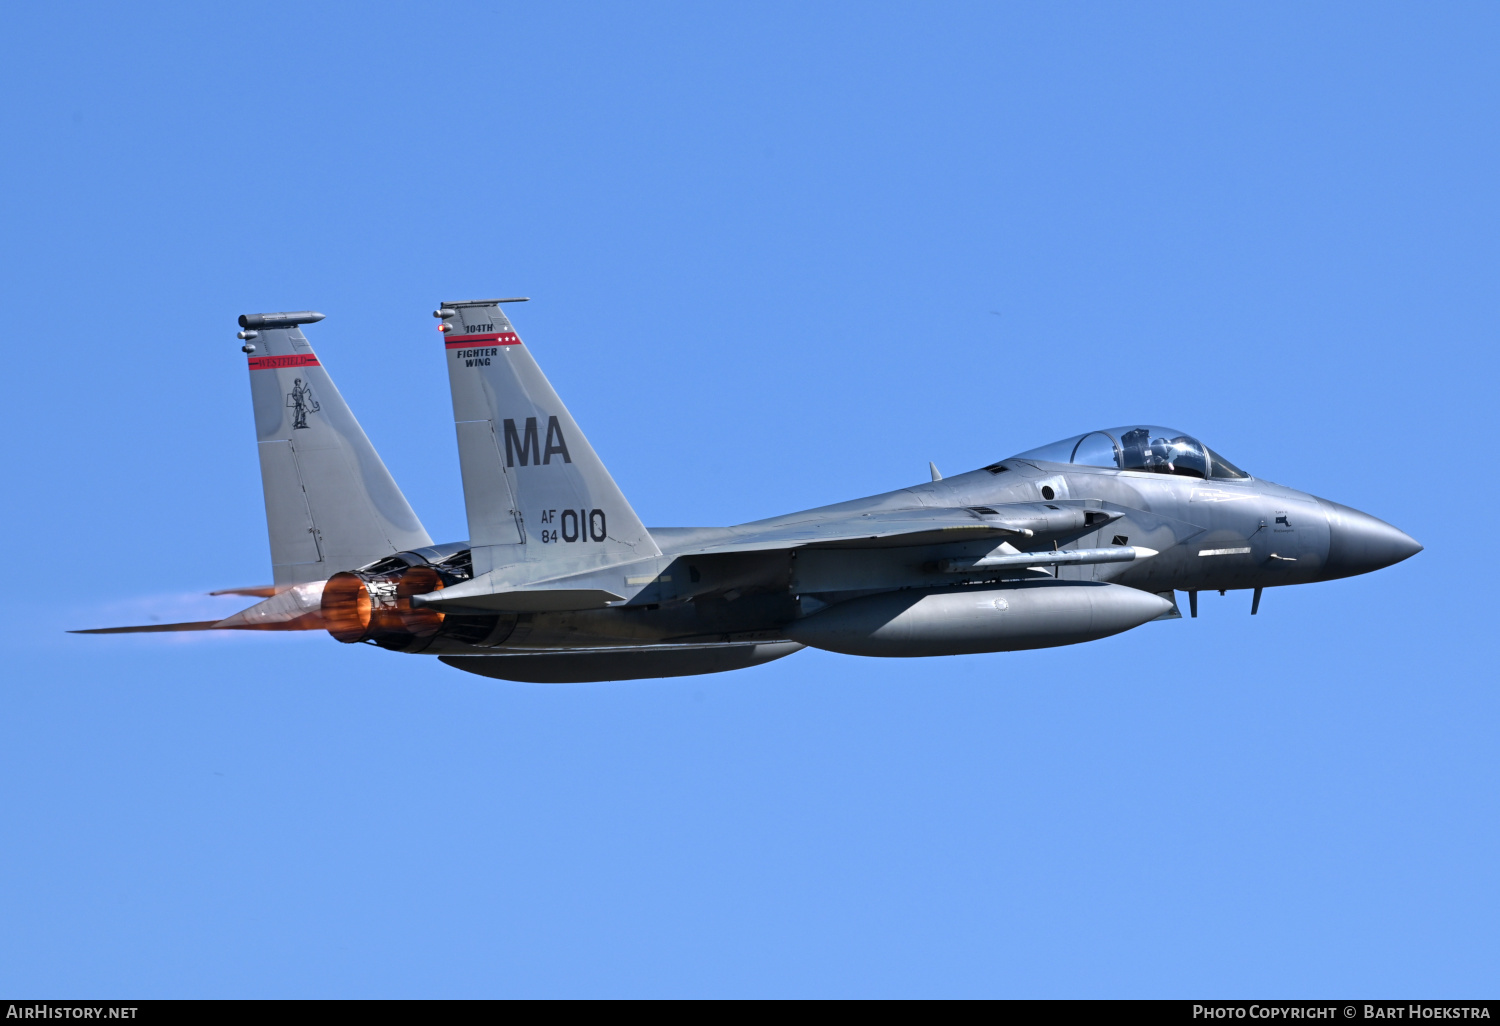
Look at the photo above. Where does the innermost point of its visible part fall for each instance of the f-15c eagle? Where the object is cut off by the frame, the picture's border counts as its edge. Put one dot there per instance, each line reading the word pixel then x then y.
pixel 559 581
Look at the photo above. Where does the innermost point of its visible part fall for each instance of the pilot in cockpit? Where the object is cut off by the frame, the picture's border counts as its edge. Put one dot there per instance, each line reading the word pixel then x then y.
pixel 1154 450
pixel 1161 455
pixel 1135 446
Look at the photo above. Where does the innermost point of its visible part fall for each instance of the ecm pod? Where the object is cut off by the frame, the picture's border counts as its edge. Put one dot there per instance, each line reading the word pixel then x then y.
pixel 963 621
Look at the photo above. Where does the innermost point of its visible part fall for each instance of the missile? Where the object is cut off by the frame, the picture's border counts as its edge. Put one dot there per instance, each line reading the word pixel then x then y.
pixel 1062 557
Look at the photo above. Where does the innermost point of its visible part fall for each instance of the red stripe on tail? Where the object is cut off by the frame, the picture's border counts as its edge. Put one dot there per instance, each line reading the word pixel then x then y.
pixel 274 362
pixel 498 338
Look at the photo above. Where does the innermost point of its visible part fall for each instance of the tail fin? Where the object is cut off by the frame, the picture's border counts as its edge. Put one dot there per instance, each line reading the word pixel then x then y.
pixel 330 503
pixel 540 503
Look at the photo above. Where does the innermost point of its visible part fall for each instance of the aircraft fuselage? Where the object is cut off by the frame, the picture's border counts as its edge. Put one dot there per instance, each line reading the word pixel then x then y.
pixel 559 579
pixel 1208 534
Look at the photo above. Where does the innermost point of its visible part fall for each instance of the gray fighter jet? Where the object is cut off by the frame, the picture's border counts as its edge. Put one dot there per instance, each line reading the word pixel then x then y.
pixel 559 581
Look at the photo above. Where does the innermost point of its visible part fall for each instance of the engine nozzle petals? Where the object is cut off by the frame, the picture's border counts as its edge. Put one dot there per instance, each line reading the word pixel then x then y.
pixel 375 606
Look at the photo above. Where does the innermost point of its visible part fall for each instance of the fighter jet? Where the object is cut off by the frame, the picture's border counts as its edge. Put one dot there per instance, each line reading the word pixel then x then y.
pixel 559 581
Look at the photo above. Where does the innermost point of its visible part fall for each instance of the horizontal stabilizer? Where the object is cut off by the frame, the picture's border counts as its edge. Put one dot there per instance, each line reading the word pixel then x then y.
pixel 290 609
pixel 153 628
pixel 297 608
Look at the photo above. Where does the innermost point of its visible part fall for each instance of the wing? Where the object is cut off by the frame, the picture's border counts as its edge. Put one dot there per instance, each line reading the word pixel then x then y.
pixel 892 528
pixel 1034 523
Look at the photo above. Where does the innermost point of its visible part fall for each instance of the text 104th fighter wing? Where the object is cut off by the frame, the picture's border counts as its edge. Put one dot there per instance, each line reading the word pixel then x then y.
pixel 559 581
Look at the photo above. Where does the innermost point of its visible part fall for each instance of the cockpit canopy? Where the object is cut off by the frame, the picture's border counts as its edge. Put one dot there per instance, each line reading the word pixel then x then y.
pixel 1153 450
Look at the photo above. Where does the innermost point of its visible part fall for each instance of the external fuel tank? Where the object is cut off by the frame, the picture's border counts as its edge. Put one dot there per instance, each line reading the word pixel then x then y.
pixel 961 621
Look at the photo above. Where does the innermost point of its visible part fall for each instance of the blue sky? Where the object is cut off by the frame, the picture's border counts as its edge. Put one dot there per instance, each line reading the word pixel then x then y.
pixel 780 255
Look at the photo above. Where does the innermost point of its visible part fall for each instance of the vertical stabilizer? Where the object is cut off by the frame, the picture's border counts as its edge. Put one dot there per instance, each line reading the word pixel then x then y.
pixel 330 503
pixel 540 503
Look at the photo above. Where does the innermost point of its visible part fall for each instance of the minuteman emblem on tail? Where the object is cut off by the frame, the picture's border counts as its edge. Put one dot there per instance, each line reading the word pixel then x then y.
pixel 300 400
pixel 331 504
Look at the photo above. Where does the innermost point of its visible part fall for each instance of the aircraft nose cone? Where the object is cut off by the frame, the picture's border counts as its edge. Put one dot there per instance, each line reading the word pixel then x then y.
pixel 1359 543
